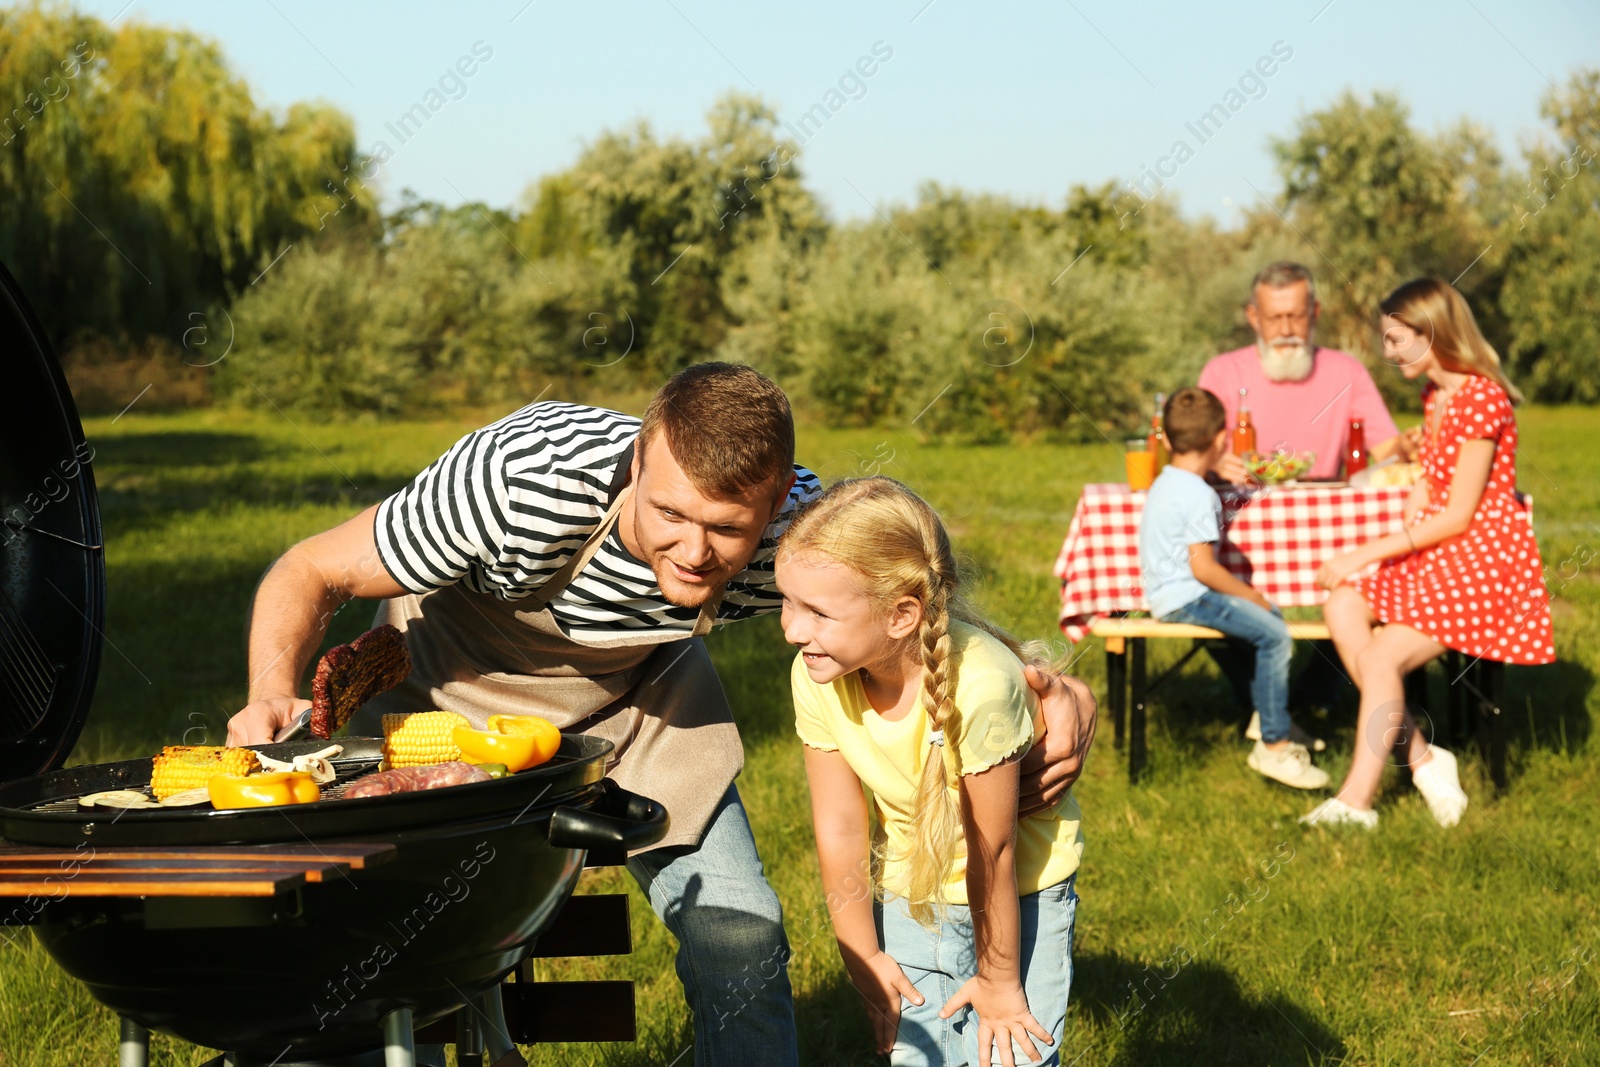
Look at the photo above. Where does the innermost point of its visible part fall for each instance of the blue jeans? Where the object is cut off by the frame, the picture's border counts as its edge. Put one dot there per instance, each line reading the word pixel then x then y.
pixel 733 956
pixel 940 961
pixel 1269 643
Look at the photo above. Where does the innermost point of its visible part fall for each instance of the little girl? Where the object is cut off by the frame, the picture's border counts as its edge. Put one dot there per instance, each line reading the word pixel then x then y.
pixel 898 688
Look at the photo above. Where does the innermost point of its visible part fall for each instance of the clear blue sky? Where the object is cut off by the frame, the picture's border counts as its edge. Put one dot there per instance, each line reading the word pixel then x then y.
pixel 1024 99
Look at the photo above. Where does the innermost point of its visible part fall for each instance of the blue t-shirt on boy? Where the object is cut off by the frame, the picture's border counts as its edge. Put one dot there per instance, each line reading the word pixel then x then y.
pixel 1181 510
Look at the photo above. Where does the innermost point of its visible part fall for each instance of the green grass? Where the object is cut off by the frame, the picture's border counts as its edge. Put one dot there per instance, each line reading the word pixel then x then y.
pixel 1412 945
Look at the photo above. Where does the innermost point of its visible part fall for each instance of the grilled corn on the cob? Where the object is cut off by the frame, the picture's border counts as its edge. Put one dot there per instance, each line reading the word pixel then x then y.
pixel 421 739
pixel 182 767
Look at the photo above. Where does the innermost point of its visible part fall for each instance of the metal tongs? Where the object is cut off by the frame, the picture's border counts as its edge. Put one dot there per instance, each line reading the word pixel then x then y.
pixel 296 728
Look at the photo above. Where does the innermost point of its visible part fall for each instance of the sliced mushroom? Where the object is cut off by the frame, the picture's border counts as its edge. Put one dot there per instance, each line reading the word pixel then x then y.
pixel 117 798
pixel 319 763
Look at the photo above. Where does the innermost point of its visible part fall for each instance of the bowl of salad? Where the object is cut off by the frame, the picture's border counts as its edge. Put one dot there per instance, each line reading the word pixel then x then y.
pixel 1277 468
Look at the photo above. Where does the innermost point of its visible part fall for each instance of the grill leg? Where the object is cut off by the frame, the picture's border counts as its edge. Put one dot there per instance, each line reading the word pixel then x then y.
pixel 469 1038
pixel 133 1046
pixel 398 1047
pixel 496 1034
pixel 1136 752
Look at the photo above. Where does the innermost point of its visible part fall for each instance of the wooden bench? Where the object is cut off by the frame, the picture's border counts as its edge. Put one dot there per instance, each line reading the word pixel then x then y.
pixel 1475 690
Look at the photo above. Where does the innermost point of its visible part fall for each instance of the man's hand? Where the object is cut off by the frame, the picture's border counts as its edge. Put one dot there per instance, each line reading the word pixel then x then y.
pixel 260 721
pixel 1232 469
pixel 1259 599
pixel 296 598
pixel 1054 763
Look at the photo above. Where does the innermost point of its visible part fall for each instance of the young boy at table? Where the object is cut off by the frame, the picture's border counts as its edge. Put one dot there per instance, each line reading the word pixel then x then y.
pixel 1183 582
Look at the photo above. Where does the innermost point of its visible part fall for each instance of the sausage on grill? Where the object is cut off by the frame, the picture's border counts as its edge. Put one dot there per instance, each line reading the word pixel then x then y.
pixel 412 779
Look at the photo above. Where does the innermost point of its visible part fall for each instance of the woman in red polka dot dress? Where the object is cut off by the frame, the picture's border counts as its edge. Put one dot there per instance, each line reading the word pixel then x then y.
pixel 1464 572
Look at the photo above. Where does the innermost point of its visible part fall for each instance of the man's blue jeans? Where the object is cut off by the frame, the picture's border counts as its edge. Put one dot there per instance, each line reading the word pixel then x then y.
pixel 1269 643
pixel 733 956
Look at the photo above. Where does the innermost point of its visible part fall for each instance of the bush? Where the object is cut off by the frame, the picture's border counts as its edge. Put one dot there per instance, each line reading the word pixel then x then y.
pixel 322 336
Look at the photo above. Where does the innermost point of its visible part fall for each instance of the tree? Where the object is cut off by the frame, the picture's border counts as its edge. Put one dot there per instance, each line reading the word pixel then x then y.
pixel 1551 298
pixel 661 220
pixel 138 180
pixel 1380 203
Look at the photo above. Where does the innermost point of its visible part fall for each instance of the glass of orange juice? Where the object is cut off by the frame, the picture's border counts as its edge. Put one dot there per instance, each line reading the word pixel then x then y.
pixel 1141 465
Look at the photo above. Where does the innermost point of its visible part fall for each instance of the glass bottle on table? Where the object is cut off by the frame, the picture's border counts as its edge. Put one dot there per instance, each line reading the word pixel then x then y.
pixel 1244 431
pixel 1156 442
pixel 1355 450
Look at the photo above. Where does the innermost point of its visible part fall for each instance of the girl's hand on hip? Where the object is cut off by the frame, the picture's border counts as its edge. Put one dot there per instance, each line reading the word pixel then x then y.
pixel 1334 573
pixel 881 983
pixel 1003 1017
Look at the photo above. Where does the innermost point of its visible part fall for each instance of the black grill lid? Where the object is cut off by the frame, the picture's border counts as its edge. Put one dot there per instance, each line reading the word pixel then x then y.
pixel 52 568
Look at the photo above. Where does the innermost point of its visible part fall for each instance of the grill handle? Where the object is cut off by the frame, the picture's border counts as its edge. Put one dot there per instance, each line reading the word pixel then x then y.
pixel 620 820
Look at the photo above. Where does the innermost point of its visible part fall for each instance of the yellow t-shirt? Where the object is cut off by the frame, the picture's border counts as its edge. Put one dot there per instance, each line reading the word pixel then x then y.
pixel 999 718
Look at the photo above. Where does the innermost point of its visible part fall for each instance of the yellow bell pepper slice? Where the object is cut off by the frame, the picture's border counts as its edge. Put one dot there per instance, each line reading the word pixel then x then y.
pixel 541 729
pixel 262 790
pixel 518 751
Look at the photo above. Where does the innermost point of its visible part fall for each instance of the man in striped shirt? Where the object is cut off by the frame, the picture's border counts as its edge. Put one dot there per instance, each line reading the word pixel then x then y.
pixel 564 561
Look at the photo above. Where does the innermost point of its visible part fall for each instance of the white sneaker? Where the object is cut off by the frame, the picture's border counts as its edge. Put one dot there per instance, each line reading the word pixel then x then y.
pixel 1297 735
pixel 1335 812
pixel 1290 765
pixel 1440 786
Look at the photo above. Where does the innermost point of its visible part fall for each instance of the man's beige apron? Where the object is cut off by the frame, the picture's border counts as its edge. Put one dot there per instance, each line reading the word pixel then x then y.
pixel 653 694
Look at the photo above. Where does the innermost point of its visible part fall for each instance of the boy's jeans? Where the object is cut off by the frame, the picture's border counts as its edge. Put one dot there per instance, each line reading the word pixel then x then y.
pixel 1270 644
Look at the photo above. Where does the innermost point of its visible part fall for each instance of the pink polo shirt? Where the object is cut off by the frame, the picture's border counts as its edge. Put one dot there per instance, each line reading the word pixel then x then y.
pixel 1308 416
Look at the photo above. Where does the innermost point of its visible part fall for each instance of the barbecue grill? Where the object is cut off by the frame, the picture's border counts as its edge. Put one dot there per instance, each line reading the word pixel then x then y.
pixel 338 967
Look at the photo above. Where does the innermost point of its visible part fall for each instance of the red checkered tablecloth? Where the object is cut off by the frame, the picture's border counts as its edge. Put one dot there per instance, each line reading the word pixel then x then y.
pixel 1274 538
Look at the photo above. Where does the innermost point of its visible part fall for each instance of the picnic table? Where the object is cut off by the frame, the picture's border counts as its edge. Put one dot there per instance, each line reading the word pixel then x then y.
pixel 1275 538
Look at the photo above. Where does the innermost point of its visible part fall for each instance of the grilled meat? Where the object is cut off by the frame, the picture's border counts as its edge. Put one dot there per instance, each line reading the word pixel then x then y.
pixel 412 779
pixel 350 675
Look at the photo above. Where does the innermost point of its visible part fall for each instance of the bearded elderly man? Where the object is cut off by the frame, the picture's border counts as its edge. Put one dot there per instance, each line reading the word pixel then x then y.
pixel 565 561
pixel 1300 397
pixel 1303 398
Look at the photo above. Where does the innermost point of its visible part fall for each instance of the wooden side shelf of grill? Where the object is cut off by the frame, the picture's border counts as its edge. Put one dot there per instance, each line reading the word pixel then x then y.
pixel 49 873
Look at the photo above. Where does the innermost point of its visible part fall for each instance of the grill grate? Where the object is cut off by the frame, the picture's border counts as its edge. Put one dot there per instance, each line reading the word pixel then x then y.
pixel 30 680
pixel 346 771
